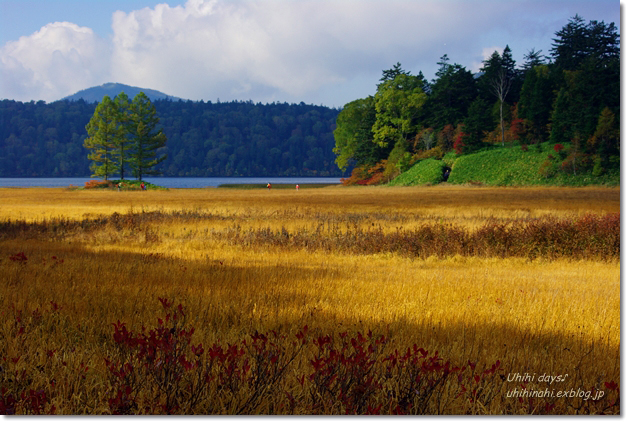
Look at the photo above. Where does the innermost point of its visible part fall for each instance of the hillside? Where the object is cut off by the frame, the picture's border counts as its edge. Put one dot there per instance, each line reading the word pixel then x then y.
pixel 95 94
pixel 505 166
pixel 570 96
pixel 425 172
pixel 204 139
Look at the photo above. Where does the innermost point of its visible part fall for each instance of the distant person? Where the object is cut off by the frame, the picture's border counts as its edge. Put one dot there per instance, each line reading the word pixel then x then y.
pixel 268 186
pixel 297 187
pixel 119 183
pixel 142 186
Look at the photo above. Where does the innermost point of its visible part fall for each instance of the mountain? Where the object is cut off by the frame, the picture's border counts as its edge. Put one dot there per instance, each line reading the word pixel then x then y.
pixel 96 94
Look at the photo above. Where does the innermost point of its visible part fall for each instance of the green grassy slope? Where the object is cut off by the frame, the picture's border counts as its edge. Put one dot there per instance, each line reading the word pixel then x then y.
pixel 425 172
pixel 508 166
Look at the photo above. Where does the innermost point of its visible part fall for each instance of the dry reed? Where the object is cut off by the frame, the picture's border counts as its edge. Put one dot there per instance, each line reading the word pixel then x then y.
pixel 75 263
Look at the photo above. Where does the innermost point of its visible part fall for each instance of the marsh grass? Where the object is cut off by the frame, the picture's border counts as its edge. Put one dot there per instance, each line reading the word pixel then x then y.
pixel 90 284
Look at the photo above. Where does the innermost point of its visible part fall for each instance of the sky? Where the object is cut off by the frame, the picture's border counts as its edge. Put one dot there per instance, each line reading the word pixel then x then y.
pixel 322 52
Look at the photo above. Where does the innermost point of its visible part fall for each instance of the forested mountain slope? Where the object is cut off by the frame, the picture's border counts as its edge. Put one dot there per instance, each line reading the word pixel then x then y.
pixel 204 139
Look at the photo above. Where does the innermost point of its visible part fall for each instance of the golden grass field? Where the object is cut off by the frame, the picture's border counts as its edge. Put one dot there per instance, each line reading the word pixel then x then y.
pixel 542 315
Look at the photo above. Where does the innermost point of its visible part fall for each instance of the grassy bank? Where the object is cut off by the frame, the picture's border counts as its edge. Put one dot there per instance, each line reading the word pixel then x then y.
pixel 507 166
pixel 426 172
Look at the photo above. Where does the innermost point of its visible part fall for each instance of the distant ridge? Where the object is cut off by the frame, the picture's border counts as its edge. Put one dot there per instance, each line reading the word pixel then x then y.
pixel 112 89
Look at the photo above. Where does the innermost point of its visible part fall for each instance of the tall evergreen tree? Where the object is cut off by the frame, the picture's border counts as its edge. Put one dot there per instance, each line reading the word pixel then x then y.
pixel 535 102
pixel 451 94
pixel 390 74
pixel 578 41
pixel 121 150
pixel 513 75
pixel 476 124
pixel 605 143
pixel 533 58
pixel 570 46
pixel 145 138
pixel 563 119
pixel 490 70
pixel 104 133
pixel 587 57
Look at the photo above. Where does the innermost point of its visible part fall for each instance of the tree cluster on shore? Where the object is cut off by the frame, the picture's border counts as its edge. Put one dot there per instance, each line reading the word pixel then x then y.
pixel 123 136
pixel 571 99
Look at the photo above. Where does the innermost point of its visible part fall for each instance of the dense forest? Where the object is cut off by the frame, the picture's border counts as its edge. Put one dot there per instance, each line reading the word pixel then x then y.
pixel 204 139
pixel 570 98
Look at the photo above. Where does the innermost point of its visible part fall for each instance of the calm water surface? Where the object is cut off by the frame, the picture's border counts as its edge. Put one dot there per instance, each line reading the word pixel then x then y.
pixel 166 182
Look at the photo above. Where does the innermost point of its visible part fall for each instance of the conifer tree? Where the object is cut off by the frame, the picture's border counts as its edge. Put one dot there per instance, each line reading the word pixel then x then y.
pixel 477 122
pixel 536 100
pixel 451 94
pixel 605 143
pixel 104 133
pixel 121 151
pixel 123 135
pixel 144 136
pixel 588 58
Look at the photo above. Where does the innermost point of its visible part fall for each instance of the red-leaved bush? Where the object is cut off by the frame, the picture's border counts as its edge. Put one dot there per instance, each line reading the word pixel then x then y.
pixel 160 370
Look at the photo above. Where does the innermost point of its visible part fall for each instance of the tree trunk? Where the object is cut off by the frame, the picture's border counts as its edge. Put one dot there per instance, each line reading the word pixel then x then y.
pixel 501 119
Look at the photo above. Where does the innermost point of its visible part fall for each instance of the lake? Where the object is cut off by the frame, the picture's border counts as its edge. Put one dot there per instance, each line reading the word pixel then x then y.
pixel 168 182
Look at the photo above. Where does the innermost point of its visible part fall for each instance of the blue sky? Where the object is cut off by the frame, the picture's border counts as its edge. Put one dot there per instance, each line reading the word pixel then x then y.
pixel 325 52
pixel 24 17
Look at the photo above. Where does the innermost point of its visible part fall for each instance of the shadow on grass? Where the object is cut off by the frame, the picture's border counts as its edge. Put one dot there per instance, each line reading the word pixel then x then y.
pixel 66 298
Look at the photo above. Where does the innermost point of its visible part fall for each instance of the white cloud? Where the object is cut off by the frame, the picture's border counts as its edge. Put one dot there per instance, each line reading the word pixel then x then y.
pixel 59 59
pixel 318 51
pixel 289 49
pixel 211 49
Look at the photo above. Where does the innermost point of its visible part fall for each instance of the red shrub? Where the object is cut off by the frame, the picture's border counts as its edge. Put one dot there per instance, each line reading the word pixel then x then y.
pixel 98 184
pixel 459 143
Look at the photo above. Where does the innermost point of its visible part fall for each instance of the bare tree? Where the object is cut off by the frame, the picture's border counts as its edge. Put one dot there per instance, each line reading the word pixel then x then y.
pixel 500 86
pixel 427 137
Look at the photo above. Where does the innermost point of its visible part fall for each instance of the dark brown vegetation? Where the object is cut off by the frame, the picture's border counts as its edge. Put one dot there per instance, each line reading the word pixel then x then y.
pixel 159 370
pixel 587 237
